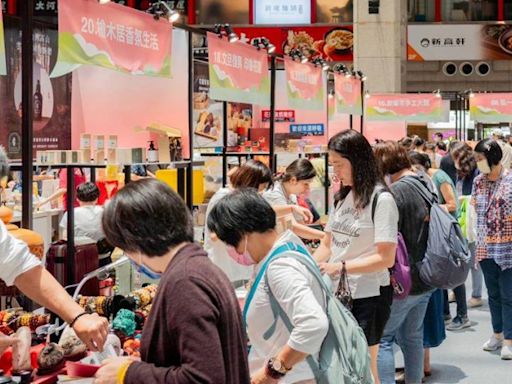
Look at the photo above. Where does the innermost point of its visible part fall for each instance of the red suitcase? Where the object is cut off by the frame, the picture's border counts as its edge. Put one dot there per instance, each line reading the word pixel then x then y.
pixel 84 260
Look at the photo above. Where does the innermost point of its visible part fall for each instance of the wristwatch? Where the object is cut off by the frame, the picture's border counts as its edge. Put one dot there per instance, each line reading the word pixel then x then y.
pixel 276 368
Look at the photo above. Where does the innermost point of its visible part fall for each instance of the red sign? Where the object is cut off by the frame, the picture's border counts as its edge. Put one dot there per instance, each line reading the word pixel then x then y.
pixel 348 94
pixel 411 107
pixel 305 85
pixel 285 116
pixel 238 72
pixel 115 37
pixel 331 43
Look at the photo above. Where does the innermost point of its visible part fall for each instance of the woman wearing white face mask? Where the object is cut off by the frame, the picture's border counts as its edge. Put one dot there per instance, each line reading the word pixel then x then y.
pixel 492 197
pixel 252 174
pixel 246 223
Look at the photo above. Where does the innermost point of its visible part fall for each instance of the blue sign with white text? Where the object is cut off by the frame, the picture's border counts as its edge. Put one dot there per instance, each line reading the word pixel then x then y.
pixel 308 129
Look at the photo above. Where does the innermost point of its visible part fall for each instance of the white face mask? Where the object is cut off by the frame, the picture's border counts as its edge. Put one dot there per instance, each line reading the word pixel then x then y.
pixel 483 167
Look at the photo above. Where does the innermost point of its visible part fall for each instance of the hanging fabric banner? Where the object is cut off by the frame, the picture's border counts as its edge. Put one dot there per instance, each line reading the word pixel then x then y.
pixel 3 66
pixel 114 37
pixel 423 108
pixel 348 95
pixel 490 107
pixel 238 72
pixel 305 85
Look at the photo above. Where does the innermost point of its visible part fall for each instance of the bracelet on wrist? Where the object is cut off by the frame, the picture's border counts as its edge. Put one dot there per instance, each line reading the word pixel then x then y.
pixel 72 324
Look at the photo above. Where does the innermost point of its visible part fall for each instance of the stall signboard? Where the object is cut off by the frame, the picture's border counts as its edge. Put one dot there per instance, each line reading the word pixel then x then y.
pixel 348 95
pixel 305 85
pixel 404 107
pixel 114 37
pixel 491 107
pixel 238 72
pixel 50 8
pixel 281 116
pixel 308 129
pixel 433 42
pixel 329 42
pixel 3 65
pixel 283 12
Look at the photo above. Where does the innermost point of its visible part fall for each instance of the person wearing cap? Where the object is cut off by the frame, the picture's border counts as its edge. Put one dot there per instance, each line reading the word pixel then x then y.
pixel 20 268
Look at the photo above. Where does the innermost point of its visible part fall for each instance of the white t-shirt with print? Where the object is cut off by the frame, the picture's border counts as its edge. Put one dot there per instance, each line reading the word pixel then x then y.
pixel 15 257
pixel 355 236
pixel 87 222
pixel 301 297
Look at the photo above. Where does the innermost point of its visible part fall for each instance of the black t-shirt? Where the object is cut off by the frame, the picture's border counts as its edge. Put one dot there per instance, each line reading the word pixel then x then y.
pixel 413 224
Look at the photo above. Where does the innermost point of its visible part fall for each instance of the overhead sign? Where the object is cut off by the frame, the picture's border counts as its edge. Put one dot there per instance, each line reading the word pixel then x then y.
pixel 404 107
pixel 238 72
pixel 114 37
pixel 432 42
pixel 491 107
pixel 305 85
pixel 282 12
pixel 348 95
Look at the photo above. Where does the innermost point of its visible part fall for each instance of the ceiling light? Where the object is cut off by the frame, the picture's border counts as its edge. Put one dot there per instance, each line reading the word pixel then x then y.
pixel 174 16
pixel 367 95
pixel 103 2
pixel 232 36
pixel 303 59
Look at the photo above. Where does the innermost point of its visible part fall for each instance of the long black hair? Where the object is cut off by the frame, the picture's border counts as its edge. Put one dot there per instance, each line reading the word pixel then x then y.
pixel 365 173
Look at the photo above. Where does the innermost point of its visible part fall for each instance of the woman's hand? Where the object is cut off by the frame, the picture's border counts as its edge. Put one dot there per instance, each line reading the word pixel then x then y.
pixel 332 269
pixel 261 378
pixel 306 214
pixel 109 370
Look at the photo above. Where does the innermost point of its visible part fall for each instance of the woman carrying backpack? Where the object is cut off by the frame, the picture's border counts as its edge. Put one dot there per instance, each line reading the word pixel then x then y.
pixel 492 197
pixel 405 325
pixel 361 244
pixel 246 223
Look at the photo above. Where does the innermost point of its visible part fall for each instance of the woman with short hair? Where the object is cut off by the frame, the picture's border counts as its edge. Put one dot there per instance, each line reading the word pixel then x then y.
pixel 405 325
pixel 195 332
pixel 246 223
pixel 492 197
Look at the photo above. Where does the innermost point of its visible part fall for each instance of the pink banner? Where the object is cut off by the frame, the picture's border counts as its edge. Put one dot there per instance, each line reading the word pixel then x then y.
pixel 490 107
pixel 348 95
pixel 305 85
pixel 425 107
pixel 113 36
pixel 238 72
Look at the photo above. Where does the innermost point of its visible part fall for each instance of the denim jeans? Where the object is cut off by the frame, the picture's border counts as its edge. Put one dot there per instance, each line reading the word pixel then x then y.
pixel 499 288
pixel 477 278
pixel 405 327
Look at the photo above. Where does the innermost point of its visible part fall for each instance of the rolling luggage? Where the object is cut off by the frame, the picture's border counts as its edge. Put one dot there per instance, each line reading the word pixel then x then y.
pixel 85 260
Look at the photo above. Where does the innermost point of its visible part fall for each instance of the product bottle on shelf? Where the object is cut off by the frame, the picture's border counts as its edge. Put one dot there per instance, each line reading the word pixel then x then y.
pixel 38 102
pixel 152 153
pixel 179 151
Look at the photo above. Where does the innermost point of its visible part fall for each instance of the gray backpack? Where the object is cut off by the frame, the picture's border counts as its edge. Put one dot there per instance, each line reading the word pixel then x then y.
pixel 344 357
pixel 447 260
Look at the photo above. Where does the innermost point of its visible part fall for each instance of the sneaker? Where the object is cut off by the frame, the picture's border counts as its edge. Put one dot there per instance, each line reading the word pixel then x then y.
pixel 475 302
pixel 451 297
pixel 506 352
pixel 459 323
pixel 493 344
pixel 447 319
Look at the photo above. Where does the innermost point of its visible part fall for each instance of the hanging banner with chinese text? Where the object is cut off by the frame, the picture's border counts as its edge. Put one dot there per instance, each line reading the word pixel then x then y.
pixel 238 72
pixel 348 95
pixel 3 66
pixel 305 85
pixel 491 107
pixel 408 107
pixel 114 37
